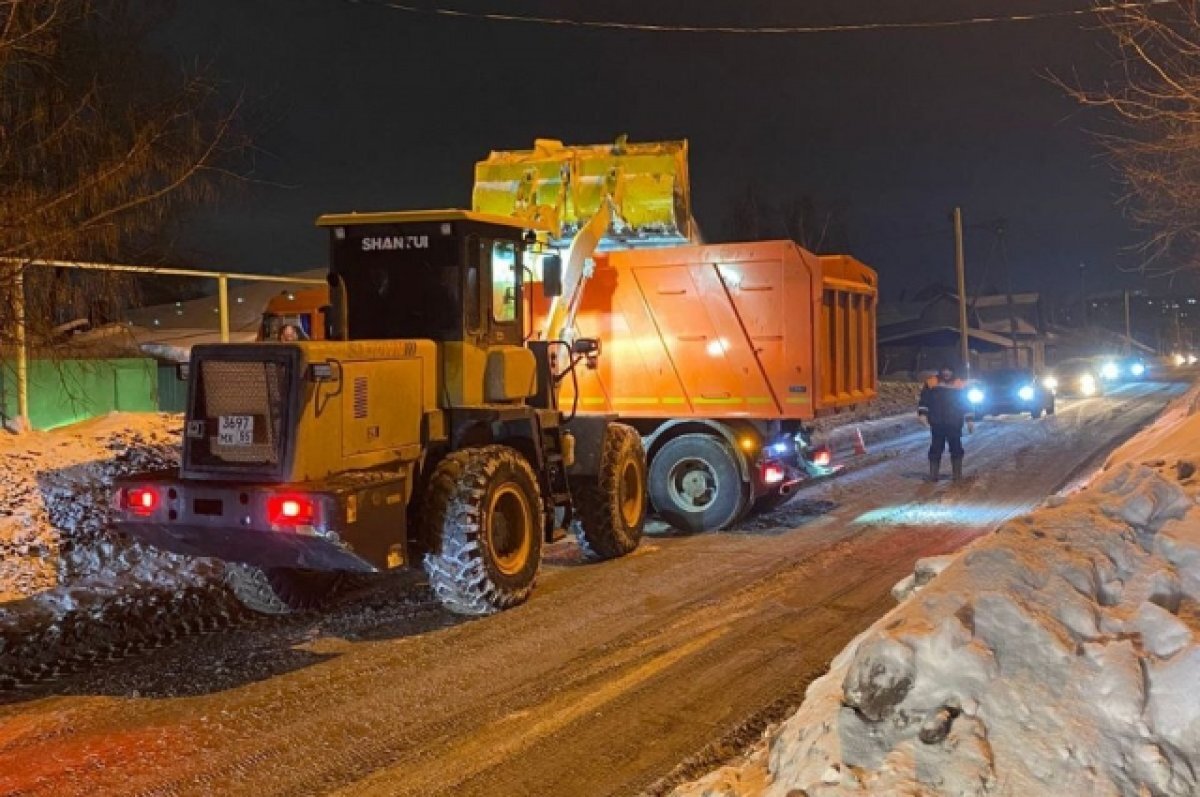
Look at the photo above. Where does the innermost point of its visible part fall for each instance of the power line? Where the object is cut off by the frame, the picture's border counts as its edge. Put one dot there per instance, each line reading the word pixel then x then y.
pixel 774 30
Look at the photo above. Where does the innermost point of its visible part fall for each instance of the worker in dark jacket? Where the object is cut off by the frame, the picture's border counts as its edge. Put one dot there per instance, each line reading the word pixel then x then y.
pixel 944 409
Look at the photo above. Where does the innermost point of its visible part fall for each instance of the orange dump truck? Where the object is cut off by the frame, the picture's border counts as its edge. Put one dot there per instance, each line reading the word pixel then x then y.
pixel 303 309
pixel 719 355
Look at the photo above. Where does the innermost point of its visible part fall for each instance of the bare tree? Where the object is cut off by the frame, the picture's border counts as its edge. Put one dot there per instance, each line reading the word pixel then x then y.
pixel 819 228
pixel 102 145
pixel 1155 139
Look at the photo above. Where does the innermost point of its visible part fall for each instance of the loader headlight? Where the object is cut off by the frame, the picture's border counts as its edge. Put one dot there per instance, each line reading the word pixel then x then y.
pixel 1025 393
pixel 1137 369
pixel 975 395
pixel 1087 385
pixel 1050 383
pixel 1110 371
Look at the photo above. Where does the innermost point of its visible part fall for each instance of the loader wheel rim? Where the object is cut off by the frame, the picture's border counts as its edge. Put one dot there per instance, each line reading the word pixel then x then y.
pixel 693 484
pixel 630 494
pixel 510 529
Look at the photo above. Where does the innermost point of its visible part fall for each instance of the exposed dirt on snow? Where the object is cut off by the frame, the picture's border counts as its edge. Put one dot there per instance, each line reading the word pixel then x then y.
pixel 895 398
pixel 1059 655
pixel 60 559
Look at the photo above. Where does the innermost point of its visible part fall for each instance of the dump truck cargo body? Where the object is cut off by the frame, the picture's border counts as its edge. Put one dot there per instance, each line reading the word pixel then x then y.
pixel 760 330
pixel 735 347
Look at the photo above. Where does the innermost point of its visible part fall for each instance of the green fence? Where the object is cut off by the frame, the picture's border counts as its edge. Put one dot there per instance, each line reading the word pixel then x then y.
pixel 66 391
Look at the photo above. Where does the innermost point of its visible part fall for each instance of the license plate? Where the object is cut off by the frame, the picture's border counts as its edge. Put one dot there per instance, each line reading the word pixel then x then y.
pixel 235 430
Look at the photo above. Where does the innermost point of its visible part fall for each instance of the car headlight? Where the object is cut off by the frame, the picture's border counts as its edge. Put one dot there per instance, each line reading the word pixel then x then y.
pixel 1180 359
pixel 1137 369
pixel 1191 359
pixel 1026 393
pixel 1050 383
pixel 1087 385
pixel 975 395
pixel 1110 371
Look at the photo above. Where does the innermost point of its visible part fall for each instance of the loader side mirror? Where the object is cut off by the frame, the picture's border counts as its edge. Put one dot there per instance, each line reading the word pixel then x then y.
pixel 552 276
pixel 182 371
pixel 588 347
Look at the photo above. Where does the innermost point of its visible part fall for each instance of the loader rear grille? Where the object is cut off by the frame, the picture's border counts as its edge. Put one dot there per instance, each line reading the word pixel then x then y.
pixel 251 395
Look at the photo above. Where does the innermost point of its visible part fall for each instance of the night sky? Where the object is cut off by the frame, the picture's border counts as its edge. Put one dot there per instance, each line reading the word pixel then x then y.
pixel 358 107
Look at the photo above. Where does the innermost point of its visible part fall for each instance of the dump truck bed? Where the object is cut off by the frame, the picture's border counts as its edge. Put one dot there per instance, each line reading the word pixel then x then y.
pixel 755 330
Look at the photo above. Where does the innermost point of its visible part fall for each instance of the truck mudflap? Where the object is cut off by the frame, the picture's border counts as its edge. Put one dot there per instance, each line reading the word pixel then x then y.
pixel 352 522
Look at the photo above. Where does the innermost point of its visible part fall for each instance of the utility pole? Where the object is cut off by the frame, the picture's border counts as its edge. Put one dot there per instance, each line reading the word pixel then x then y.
pixel 961 270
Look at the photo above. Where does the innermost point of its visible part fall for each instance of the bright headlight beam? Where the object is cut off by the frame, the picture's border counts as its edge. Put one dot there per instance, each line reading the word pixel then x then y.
pixel 1025 393
pixel 975 395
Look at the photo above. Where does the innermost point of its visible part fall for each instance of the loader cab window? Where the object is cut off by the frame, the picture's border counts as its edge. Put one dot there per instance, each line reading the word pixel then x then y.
pixel 472 289
pixel 403 281
pixel 504 282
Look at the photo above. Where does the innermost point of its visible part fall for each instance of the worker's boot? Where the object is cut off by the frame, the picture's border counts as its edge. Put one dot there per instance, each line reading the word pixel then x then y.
pixel 956 464
pixel 935 466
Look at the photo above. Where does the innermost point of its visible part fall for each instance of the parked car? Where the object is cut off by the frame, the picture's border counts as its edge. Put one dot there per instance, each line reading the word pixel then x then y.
pixel 1079 377
pixel 1010 391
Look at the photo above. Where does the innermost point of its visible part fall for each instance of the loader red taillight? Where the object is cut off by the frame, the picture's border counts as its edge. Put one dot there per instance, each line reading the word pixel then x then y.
pixel 141 500
pixel 773 473
pixel 291 510
pixel 822 457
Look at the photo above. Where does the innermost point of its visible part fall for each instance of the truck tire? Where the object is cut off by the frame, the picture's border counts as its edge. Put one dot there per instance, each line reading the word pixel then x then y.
pixel 482 518
pixel 695 483
pixel 610 509
pixel 280 590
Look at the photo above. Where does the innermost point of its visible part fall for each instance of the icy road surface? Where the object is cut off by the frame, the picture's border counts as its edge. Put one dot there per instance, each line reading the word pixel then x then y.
pixel 615 679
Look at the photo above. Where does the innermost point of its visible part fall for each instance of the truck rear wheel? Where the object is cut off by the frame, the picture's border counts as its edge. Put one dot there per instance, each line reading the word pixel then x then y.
pixel 280 590
pixel 611 507
pixel 482 515
pixel 695 483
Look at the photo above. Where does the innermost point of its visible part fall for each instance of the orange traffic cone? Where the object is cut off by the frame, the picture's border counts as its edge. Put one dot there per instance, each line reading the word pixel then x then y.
pixel 860 447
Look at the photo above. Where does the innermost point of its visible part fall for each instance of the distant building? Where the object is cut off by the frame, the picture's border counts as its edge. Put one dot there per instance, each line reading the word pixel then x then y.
pixel 1003 331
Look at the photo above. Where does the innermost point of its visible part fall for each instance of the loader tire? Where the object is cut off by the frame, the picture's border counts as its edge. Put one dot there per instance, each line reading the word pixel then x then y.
pixel 280 590
pixel 482 517
pixel 610 509
pixel 695 483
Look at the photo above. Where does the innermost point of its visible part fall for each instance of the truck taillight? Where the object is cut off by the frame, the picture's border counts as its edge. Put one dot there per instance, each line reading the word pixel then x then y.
pixel 291 510
pixel 822 457
pixel 140 500
pixel 773 473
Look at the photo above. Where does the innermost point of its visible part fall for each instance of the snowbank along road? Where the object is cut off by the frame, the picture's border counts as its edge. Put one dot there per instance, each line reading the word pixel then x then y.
pixel 608 679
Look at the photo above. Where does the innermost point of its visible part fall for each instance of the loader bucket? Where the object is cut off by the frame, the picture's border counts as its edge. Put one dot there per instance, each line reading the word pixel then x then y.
pixel 565 186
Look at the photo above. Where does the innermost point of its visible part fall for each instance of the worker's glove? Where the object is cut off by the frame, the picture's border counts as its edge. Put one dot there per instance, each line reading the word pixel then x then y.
pixel 924 419
pixel 970 427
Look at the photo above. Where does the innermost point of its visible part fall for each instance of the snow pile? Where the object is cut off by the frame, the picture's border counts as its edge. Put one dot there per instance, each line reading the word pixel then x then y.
pixel 1060 655
pixel 58 552
pixel 895 398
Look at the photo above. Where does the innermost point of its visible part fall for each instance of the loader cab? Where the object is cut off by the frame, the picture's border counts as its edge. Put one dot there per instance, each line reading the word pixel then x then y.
pixel 450 276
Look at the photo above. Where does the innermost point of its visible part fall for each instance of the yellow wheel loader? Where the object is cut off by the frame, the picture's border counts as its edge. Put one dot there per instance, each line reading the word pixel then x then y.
pixel 426 432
